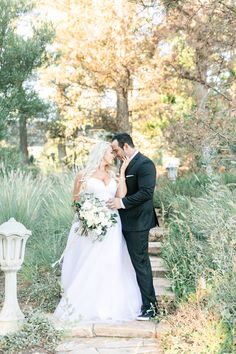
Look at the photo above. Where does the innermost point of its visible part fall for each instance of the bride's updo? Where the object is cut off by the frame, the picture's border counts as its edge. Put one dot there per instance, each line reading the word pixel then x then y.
pixel 94 160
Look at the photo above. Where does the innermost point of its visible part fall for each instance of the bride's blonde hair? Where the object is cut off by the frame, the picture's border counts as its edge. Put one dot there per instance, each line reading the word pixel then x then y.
pixel 94 160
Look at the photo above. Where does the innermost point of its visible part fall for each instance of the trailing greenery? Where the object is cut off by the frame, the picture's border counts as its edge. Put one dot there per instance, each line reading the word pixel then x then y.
pixel 36 333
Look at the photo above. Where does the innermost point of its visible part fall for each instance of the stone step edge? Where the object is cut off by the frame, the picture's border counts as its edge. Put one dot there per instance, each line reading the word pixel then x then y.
pixel 109 345
pixel 168 295
pixel 154 248
pixel 162 288
pixel 159 230
pixel 158 273
pixel 134 329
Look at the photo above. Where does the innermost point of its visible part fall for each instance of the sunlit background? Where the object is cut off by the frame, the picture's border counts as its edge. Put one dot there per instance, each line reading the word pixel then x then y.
pixel 78 71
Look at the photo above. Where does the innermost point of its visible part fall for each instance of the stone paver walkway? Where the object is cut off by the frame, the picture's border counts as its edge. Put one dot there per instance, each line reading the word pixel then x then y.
pixel 104 345
pixel 102 338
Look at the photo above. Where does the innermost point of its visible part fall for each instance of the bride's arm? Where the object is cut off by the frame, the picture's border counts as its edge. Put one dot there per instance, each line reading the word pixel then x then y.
pixel 77 186
pixel 122 188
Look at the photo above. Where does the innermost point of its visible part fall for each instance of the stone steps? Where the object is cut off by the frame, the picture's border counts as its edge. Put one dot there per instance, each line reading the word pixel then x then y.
pixel 154 248
pixel 157 234
pixel 161 284
pixel 133 337
pixel 129 329
pixel 108 345
pixel 158 267
pixel 163 288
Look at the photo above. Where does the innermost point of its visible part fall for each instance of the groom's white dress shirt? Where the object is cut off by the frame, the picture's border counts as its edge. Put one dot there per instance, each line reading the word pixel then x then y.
pixel 131 158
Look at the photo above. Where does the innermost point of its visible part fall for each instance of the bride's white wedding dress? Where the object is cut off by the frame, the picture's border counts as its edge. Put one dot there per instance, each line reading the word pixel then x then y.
pixel 98 278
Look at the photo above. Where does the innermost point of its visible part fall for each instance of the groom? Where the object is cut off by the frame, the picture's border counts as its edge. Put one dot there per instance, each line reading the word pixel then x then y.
pixel 137 216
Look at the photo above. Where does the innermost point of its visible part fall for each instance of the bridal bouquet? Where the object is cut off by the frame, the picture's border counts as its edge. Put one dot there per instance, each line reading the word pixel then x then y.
pixel 94 216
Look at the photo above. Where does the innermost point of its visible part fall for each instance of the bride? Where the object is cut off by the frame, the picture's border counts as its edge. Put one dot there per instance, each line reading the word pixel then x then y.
pixel 98 278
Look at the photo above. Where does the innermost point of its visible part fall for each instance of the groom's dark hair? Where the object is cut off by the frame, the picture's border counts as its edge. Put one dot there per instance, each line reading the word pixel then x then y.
pixel 123 138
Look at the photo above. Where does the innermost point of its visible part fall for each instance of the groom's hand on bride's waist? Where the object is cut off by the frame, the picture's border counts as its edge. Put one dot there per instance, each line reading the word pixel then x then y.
pixel 114 203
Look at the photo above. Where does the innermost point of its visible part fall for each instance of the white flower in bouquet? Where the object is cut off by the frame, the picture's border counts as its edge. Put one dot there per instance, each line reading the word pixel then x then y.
pixel 94 216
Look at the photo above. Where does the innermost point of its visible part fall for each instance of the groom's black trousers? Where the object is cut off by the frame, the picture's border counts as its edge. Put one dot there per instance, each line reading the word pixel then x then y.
pixel 137 243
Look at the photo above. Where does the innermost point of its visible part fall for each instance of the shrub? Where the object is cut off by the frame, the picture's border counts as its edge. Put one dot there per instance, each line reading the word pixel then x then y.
pixel 43 205
pixel 223 297
pixel 191 185
pixel 22 197
pixel 10 161
pixel 9 158
pixel 185 258
pixel 202 243
pixel 202 236
pixel 48 243
pixel 195 330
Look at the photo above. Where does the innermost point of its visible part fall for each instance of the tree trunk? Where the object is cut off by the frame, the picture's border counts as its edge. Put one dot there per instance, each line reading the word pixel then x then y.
pixel 122 115
pixel 23 140
pixel 61 148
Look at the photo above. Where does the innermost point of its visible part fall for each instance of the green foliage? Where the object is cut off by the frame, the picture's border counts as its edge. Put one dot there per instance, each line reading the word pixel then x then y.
pixel 192 185
pixel 43 205
pixel 193 329
pixel 21 56
pixel 48 241
pixel 37 333
pixel 21 197
pixel 10 10
pixel 168 195
pixel 202 245
pixel 184 257
pixel 10 161
pixel 223 296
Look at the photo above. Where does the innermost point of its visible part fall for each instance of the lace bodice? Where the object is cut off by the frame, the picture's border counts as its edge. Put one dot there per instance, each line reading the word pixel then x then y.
pixel 100 189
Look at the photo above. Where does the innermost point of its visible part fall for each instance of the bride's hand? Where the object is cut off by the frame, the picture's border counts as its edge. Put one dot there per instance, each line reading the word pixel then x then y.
pixel 124 165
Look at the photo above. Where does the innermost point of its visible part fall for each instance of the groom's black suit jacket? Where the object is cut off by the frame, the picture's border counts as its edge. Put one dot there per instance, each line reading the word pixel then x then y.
pixel 139 213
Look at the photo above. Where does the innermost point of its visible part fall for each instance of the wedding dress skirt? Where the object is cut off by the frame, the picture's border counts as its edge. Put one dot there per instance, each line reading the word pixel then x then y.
pixel 98 278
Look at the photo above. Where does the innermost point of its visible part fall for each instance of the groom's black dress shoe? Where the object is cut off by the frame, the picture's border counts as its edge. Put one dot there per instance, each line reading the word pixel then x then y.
pixel 147 314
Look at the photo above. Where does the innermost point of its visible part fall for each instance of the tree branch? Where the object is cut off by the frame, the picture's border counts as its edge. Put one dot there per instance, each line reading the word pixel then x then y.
pixel 187 76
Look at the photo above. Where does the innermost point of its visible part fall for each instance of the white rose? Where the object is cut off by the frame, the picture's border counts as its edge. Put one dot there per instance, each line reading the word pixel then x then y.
pixel 98 230
pixel 87 205
pixel 98 220
pixel 102 215
pixel 106 222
